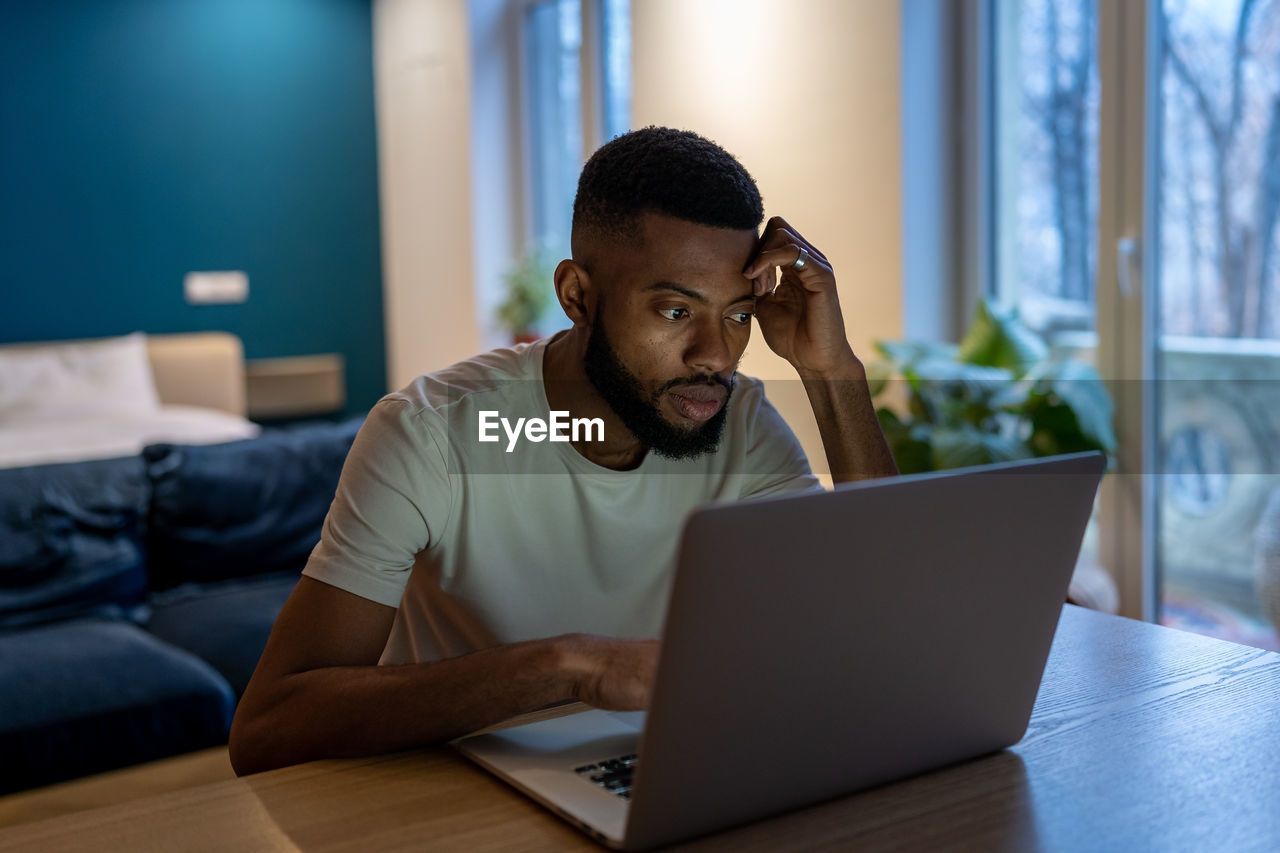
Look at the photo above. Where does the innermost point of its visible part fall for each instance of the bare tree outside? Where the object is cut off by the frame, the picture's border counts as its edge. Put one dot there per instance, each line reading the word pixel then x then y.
pixel 1058 168
pixel 1221 168
pixel 1220 175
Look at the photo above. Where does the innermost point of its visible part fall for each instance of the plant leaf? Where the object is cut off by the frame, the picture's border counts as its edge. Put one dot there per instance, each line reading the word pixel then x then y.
pixel 878 375
pixel 1079 388
pixel 998 338
pixel 961 392
pixel 529 290
pixel 1012 397
pixel 906 353
pixel 960 447
pixel 974 376
pixel 911 454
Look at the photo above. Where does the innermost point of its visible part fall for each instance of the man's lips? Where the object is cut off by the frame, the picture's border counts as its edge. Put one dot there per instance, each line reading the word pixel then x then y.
pixel 698 402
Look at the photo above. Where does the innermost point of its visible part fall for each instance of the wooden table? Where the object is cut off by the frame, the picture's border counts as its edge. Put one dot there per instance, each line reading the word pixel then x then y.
pixel 1143 738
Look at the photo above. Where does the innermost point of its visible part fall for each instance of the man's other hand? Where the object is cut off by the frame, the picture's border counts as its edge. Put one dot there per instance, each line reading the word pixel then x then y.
pixel 616 675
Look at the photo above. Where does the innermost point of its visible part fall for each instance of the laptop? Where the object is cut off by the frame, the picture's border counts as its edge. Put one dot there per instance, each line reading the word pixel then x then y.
pixel 820 644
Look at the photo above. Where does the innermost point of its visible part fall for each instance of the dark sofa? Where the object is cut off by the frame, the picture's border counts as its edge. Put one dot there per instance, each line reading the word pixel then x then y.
pixel 136 594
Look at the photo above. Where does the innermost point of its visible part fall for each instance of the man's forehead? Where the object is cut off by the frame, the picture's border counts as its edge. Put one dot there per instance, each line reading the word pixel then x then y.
pixel 677 244
pixel 655 224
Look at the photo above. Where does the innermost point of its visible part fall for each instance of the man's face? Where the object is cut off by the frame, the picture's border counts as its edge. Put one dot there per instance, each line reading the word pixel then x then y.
pixel 673 319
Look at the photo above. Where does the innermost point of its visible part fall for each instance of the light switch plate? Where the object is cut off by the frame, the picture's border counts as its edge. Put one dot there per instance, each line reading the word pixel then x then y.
pixel 220 287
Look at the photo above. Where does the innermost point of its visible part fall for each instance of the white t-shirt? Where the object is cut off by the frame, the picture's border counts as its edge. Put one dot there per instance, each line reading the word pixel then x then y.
pixel 477 546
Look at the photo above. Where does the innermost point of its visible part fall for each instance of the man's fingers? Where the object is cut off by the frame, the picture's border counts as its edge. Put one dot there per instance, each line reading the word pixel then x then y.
pixel 786 241
pixel 774 236
pixel 774 223
pixel 798 238
pixel 779 232
pixel 623 676
pixel 780 247
pixel 814 274
pixel 764 282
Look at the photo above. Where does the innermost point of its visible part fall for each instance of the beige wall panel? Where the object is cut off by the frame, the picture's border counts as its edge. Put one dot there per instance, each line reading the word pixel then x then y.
pixel 422 73
pixel 806 94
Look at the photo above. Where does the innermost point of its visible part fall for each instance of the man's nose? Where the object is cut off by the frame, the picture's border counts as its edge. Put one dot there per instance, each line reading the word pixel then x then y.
pixel 710 349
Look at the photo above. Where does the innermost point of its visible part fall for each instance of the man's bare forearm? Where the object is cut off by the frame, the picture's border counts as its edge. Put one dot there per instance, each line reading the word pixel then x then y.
pixel 851 436
pixel 343 711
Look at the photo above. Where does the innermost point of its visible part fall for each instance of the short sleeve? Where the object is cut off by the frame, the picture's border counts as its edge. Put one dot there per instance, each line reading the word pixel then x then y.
pixel 393 500
pixel 776 462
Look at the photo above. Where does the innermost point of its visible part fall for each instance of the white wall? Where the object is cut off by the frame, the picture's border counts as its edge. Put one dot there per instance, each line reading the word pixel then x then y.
pixel 423 77
pixel 806 94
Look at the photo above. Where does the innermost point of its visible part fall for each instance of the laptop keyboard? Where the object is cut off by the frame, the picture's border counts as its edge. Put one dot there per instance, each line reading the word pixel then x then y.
pixel 613 774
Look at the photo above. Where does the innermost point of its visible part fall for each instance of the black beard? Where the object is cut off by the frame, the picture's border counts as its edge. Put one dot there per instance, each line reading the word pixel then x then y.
pixel 639 411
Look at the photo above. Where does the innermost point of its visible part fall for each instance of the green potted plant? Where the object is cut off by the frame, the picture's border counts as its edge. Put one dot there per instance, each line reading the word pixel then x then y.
pixel 995 396
pixel 528 294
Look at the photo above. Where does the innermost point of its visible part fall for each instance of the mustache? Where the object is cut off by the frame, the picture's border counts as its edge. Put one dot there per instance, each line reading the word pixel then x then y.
pixel 709 379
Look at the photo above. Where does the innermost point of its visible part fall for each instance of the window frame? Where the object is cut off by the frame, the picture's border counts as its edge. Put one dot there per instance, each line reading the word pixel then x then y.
pixel 1128 55
pixel 1128 159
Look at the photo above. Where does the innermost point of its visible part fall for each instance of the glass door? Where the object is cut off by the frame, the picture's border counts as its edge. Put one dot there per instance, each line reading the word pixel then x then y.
pixel 1217 301
pixel 1135 203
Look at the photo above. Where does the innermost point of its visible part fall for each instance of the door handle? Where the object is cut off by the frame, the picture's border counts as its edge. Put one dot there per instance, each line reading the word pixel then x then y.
pixel 1128 264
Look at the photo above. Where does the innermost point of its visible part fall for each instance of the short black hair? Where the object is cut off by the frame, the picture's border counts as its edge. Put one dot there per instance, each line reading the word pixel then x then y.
pixel 661 170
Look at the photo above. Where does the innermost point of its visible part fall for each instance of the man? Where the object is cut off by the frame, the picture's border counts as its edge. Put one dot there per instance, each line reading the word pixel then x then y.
pixel 468 573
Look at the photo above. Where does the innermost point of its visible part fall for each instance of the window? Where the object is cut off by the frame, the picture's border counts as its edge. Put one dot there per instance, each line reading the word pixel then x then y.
pixel 553 33
pixel 578 96
pixel 1046 171
pixel 551 81
pixel 615 23
pixel 1135 206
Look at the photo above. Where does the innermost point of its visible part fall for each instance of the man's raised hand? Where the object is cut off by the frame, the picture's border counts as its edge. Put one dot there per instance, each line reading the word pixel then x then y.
pixel 800 317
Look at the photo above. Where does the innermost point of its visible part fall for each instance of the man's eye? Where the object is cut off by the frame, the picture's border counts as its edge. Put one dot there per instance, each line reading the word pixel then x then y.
pixel 674 313
pixel 742 318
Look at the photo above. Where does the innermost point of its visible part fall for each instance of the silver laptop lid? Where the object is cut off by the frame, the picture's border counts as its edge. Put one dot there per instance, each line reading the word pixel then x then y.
pixel 819 644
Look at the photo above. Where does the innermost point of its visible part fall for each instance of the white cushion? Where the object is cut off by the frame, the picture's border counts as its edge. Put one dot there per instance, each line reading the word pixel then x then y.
pixel 108 435
pixel 58 381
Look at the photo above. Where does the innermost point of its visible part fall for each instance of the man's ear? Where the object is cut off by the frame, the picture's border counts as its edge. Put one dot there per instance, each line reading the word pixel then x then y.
pixel 576 292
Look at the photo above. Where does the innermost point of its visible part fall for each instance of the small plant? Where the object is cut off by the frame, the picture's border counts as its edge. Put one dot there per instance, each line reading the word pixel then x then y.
pixel 528 294
pixel 996 396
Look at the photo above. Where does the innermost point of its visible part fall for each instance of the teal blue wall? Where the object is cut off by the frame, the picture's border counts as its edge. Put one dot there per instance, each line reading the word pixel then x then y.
pixel 141 139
